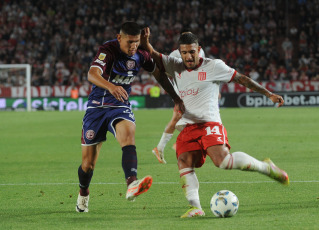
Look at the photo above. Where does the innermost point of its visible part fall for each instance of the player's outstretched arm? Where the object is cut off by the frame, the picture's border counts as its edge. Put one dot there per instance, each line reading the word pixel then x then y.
pixel 162 78
pixel 159 72
pixel 145 43
pixel 94 76
pixel 253 85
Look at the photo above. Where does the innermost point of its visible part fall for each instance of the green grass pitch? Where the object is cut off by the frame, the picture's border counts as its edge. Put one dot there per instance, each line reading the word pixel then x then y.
pixel 40 153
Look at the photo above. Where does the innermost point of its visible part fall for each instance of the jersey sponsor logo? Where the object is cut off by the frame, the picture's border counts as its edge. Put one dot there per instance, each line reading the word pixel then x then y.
pixel 189 92
pixel 90 134
pixel 123 79
pixel 130 64
pixel 100 62
pixel 102 56
pixel 202 76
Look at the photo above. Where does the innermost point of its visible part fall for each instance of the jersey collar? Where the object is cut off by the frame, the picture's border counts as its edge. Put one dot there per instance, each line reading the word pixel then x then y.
pixel 199 64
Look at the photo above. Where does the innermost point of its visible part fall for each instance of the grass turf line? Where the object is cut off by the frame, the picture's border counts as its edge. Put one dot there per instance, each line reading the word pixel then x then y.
pixel 44 147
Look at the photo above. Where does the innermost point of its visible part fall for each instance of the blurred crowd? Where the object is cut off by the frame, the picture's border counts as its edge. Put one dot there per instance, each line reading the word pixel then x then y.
pixel 267 40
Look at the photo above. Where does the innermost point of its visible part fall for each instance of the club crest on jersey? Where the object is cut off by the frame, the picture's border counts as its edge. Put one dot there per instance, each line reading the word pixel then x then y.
pixel 130 64
pixel 90 134
pixel 202 76
pixel 102 56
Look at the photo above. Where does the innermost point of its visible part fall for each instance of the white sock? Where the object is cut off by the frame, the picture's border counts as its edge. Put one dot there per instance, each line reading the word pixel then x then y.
pixel 190 185
pixel 165 138
pixel 242 161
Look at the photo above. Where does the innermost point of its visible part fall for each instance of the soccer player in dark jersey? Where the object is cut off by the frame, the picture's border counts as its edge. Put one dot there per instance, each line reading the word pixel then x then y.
pixel 112 71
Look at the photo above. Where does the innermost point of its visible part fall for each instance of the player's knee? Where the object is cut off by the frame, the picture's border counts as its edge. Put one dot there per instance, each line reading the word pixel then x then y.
pixel 128 140
pixel 88 166
pixel 176 117
pixel 183 162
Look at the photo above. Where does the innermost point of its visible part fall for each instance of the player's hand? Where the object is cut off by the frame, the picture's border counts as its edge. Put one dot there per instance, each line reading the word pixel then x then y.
pixel 277 99
pixel 145 35
pixel 118 92
pixel 179 105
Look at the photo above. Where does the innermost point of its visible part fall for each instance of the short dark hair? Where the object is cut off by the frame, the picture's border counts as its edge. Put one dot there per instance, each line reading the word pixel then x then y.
pixel 187 39
pixel 130 28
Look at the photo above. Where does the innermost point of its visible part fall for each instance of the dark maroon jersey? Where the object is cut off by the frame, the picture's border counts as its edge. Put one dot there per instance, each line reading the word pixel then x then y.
pixel 119 69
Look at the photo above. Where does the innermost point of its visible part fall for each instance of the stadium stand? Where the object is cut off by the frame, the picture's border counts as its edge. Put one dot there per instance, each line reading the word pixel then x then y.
pixel 268 40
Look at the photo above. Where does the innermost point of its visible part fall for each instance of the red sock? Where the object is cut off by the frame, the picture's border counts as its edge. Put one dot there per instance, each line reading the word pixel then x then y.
pixel 130 179
pixel 84 192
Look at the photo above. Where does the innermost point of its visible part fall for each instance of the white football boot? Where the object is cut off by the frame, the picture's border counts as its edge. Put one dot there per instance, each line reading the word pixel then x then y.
pixel 138 187
pixel 159 155
pixel 193 212
pixel 82 203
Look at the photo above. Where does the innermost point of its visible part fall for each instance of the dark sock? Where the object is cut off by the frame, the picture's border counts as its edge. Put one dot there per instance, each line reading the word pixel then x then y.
pixel 84 179
pixel 129 163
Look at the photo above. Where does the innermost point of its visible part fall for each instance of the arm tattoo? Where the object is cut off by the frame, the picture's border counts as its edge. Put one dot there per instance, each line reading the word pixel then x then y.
pixel 251 84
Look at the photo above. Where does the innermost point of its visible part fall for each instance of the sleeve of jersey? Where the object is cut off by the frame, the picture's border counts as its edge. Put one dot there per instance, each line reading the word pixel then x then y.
pixel 101 59
pixel 223 72
pixel 148 64
pixel 169 64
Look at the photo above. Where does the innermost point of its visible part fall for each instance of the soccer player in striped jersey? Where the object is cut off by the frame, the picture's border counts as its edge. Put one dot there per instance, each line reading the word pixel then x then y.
pixel 203 133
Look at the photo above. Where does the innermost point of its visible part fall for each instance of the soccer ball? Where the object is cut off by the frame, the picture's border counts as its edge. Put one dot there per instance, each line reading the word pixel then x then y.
pixel 224 204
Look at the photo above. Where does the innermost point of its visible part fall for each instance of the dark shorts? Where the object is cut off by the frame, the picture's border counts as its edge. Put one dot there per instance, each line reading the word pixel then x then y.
pixel 97 121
